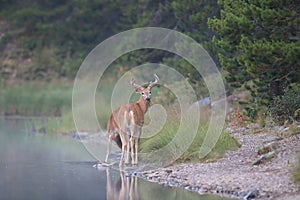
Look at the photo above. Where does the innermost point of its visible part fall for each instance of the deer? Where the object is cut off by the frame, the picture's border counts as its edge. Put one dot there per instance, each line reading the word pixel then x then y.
pixel 125 124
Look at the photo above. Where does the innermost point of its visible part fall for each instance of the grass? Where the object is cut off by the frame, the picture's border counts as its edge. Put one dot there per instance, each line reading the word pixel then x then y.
pixel 35 99
pixel 53 100
pixel 47 99
pixel 50 100
pixel 225 143
pixel 296 173
pixel 65 124
pixel 188 148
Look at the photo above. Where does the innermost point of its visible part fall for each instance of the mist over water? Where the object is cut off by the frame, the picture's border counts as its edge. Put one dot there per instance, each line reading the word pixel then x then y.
pixel 55 166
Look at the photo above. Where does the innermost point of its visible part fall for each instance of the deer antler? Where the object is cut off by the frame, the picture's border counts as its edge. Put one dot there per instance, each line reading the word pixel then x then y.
pixel 133 83
pixel 154 82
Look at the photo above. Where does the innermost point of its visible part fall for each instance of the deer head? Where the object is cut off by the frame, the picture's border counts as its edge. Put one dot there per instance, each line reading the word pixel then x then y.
pixel 145 92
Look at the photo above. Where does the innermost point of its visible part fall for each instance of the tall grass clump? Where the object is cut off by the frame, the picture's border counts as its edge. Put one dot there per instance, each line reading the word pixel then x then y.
pixel 296 173
pixel 35 99
pixel 65 123
pixel 192 151
pixel 62 124
pixel 49 102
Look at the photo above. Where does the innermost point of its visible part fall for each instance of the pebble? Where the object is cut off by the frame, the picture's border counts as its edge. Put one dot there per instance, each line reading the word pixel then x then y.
pixel 234 175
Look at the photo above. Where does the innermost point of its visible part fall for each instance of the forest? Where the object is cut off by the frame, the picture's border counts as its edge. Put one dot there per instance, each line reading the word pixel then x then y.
pixel 255 43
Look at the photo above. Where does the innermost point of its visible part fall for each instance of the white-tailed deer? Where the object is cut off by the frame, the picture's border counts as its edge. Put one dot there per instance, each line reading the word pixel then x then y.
pixel 125 124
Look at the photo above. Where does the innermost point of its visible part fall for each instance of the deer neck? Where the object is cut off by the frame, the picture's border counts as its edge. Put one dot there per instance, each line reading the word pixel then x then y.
pixel 144 105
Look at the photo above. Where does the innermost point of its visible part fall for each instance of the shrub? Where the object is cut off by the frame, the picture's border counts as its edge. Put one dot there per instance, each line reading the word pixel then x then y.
pixel 285 107
pixel 297 171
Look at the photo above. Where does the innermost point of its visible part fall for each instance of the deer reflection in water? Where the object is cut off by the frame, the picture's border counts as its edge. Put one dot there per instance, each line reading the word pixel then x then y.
pixel 126 187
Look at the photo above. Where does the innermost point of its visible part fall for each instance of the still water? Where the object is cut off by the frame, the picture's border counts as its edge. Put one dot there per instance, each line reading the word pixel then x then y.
pixel 54 166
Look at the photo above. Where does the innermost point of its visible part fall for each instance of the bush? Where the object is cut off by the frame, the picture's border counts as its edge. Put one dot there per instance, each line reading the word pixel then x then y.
pixel 286 107
pixel 297 171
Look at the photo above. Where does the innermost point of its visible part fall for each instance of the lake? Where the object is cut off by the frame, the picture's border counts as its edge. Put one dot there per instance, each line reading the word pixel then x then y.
pixel 55 166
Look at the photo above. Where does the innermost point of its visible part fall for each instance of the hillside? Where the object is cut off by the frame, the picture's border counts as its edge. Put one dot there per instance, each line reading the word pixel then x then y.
pixel 49 39
pixel 255 45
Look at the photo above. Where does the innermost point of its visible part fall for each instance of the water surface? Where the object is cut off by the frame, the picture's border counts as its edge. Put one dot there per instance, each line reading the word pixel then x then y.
pixel 55 166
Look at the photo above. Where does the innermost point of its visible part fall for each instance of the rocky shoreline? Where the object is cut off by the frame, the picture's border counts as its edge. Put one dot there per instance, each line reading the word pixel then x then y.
pixel 260 169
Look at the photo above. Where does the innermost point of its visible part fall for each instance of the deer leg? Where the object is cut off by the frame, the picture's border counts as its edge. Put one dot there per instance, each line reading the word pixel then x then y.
pixel 124 146
pixel 132 141
pixel 136 151
pixel 136 141
pixel 108 148
pixel 132 149
pixel 127 148
pixel 127 154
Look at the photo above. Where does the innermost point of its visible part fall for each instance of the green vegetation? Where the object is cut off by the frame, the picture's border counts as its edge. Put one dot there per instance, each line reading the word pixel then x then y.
pixel 297 171
pixel 75 27
pixel 286 107
pixel 254 43
pixel 259 47
pixel 36 98
pixel 170 129
pixel 44 99
pixel 225 143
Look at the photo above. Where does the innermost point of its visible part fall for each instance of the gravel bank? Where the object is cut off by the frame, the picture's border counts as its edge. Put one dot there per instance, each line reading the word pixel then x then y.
pixel 242 173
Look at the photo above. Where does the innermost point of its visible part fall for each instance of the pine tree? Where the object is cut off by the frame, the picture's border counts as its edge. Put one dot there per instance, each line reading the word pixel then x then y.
pixel 259 43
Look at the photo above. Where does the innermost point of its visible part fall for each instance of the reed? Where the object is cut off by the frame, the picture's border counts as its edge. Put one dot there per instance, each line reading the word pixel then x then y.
pixel 35 99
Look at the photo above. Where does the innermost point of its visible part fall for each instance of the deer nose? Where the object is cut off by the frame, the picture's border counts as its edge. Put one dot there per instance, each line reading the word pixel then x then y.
pixel 147 98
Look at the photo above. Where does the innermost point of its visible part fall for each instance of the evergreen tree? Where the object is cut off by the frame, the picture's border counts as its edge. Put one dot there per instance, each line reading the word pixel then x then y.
pixel 189 17
pixel 57 34
pixel 60 31
pixel 259 43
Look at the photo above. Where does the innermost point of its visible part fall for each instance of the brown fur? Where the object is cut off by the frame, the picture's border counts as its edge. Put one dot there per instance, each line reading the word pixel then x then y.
pixel 125 124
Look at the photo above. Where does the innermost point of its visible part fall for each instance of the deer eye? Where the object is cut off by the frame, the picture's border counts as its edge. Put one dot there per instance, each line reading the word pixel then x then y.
pixel 150 92
pixel 143 93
